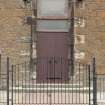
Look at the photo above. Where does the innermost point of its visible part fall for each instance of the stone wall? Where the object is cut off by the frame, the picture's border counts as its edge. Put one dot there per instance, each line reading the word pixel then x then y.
pixel 14 33
pixel 90 33
pixel 94 31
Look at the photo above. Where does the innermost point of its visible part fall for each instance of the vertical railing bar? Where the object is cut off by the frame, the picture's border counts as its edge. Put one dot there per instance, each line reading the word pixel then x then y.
pixel 33 88
pixel 94 83
pixel 68 84
pixel 8 65
pixel 89 85
pixel 64 83
pixel 83 82
pixel 38 60
pixel 0 78
pixel 72 90
pixel 57 87
pixel 29 81
pixel 103 88
pixel 12 67
pixel 50 83
pixel 76 87
pixel 25 82
pixel 40 89
pixel 44 68
pixel 18 67
pixel 86 82
pixel 15 81
pixel 84 70
pixel 100 87
pixel 47 60
pixel 79 81
pixel 67 80
pixel 54 77
pixel 0 68
pixel 61 82
pixel 50 95
pixel 61 88
pixel 22 83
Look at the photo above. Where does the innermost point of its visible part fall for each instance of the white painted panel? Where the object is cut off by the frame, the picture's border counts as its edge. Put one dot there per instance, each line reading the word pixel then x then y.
pixel 53 25
pixel 52 8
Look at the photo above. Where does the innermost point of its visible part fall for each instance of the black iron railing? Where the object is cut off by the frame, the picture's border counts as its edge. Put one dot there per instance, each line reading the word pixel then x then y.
pixel 21 86
pixel 26 89
pixel 100 88
pixel 4 81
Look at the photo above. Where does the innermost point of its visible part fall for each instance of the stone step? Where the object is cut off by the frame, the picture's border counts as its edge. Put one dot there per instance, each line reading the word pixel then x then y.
pixel 44 90
pixel 74 85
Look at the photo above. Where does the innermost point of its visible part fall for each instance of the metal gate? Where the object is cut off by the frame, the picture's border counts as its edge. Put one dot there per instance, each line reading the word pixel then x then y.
pixel 26 90
pixel 20 87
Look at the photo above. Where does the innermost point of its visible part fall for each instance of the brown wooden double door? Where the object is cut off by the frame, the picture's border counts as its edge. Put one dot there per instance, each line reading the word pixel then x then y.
pixel 52 53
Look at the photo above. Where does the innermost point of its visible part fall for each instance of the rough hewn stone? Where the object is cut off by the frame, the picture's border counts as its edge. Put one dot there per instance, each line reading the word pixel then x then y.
pixel 12 28
pixel 95 33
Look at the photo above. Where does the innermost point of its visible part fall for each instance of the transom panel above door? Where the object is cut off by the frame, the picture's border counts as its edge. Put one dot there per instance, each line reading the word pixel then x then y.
pixel 53 25
pixel 52 8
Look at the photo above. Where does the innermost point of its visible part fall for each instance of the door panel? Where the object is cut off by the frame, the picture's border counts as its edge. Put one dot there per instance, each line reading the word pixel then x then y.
pixel 52 52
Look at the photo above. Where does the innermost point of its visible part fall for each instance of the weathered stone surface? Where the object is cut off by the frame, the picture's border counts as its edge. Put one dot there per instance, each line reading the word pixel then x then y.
pixel 12 28
pixel 95 33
